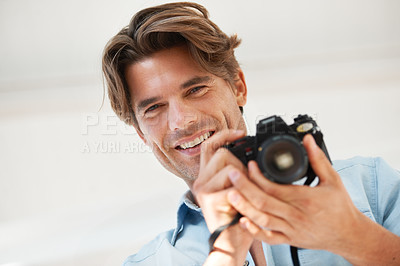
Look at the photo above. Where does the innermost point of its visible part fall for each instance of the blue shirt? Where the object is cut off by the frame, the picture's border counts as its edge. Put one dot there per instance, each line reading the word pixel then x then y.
pixel 373 186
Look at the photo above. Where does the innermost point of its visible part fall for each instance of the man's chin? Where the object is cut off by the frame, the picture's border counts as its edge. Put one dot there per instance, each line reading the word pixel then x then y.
pixel 189 175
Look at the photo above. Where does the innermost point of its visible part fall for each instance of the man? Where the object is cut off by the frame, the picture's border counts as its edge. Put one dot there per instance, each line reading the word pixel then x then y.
pixel 172 74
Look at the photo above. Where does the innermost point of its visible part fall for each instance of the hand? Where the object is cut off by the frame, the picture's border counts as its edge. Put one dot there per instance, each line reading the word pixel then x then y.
pixel 320 217
pixel 211 189
pixel 212 185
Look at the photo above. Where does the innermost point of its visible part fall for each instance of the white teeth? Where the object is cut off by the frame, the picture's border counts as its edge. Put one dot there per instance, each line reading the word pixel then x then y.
pixel 195 142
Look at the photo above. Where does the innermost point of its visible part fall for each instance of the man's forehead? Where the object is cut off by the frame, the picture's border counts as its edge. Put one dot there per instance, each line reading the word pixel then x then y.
pixel 161 73
pixel 168 65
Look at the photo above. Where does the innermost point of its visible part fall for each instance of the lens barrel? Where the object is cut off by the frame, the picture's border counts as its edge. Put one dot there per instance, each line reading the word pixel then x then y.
pixel 282 159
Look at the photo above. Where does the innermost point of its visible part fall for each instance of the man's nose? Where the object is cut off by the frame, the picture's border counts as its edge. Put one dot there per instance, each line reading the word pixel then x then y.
pixel 180 116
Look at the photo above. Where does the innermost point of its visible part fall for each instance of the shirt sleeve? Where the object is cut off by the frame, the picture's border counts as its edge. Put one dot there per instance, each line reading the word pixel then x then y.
pixel 388 192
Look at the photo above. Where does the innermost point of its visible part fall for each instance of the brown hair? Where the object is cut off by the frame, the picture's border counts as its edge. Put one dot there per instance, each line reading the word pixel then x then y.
pixel 161 27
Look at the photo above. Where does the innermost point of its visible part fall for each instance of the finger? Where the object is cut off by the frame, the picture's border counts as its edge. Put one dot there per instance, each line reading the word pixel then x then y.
pixel 318 160
pixel 259 199
pixel 265 235
pixel 262 218
pixel 216 209
pixel 220 180
pixel 298 197
pixel 211 145
pixel 282 192
pixel 216 163
pixel 259 179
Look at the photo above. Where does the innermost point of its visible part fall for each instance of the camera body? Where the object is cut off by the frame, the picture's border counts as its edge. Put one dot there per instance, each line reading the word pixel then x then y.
pixel 278 150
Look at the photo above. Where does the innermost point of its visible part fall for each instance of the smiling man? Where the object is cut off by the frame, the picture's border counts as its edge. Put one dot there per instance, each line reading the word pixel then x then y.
pixel 172 100
pixel 172 74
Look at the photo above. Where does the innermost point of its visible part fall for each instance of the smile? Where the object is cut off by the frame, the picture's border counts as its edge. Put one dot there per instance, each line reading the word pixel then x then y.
pixel 195 142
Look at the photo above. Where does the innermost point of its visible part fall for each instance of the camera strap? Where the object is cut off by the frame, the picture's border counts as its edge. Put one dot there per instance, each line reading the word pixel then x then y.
pixel 213 237
pixel 218 231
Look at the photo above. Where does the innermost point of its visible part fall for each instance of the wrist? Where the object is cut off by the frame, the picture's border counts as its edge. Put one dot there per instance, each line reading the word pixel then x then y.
pixel 370 244
pixel 231 247
pixel 220 257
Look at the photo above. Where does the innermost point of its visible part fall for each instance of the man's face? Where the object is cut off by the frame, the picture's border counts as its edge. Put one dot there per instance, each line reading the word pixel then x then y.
pixel 178 105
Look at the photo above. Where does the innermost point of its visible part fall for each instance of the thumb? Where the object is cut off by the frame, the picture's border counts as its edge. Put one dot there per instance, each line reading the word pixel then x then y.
pixel 318 160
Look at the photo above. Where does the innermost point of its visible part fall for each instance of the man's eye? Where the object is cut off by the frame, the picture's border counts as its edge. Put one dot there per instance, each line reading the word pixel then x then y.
pixel 196 89
pixel 152 108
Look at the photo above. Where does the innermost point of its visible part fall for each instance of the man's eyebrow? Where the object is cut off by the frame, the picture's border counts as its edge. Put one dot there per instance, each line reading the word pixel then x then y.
pixel 196 80
pixel 193 81
pixel 142 104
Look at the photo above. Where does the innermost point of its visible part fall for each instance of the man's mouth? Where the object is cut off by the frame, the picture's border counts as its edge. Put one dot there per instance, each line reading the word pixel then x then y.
pixel 197 141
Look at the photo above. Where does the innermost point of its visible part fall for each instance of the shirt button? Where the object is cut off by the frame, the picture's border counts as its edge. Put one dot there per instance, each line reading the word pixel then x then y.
pixel 246 263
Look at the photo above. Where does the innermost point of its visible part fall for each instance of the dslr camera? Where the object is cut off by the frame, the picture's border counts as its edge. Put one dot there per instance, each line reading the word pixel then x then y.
pixel 278 150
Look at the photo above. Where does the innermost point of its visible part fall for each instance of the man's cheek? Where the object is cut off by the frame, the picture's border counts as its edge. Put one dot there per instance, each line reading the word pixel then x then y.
pixel 154 141
pixel 151 131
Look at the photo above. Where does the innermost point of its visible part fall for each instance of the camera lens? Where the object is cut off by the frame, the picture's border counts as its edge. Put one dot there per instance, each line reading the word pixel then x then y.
pixel 282 159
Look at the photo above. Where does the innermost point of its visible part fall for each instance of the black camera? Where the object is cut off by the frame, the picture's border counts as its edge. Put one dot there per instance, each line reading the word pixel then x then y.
pixel 278 150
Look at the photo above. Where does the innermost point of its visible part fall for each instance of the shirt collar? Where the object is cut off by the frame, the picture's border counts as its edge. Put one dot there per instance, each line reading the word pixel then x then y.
pixel 186 204
pixel 188 200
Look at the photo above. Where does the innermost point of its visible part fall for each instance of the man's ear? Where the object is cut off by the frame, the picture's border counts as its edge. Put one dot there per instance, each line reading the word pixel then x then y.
pixel 240 89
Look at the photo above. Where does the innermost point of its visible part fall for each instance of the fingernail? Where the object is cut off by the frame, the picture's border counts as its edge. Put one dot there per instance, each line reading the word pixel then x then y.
pixel 239 132
pixel 314 144
pixel 252 166
pixel 233 176
pixel 312 141
pixel 234 198
pixel 243 224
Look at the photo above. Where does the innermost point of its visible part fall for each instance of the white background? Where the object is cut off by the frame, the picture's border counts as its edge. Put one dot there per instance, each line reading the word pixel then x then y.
pixel 77 187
